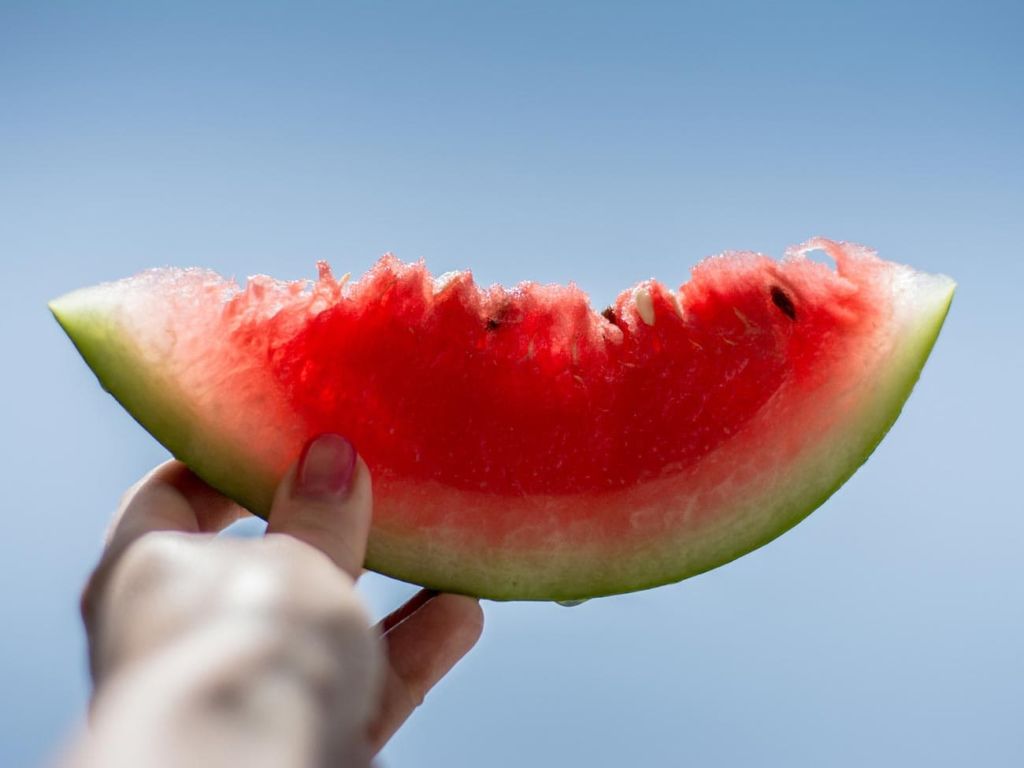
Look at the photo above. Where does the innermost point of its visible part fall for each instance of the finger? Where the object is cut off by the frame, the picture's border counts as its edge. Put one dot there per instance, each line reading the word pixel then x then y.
pixel 326 501
pixel 421 650
pixel 170 498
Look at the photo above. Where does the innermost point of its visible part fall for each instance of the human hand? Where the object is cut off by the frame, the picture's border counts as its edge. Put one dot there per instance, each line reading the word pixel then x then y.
pixel 207 650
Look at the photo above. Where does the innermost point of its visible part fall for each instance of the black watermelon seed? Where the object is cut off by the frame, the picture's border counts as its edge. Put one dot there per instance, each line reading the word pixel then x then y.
pixel 781 300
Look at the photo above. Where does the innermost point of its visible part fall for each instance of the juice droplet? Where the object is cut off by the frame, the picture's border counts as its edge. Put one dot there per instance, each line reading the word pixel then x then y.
pixel 571 603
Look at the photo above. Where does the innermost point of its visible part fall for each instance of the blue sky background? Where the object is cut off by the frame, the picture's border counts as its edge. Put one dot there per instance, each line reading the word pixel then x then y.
pixel 589 141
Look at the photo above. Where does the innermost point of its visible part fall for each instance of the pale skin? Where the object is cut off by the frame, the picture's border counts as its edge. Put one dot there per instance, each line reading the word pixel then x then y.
pixel 209 651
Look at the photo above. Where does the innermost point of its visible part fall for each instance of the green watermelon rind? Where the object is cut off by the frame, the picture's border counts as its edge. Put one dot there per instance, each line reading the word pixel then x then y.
pixel 89 317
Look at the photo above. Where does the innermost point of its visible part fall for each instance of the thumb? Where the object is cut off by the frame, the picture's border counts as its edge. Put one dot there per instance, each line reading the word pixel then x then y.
pixel 326 501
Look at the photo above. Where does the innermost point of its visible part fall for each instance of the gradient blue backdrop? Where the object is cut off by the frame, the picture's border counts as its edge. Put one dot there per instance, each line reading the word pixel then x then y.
pixel 589 141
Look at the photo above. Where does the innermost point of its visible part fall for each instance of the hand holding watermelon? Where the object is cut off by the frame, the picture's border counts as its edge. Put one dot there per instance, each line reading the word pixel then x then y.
pixel 256 646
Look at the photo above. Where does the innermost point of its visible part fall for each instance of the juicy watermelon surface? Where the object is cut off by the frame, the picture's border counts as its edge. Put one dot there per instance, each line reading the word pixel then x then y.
pixel 524 445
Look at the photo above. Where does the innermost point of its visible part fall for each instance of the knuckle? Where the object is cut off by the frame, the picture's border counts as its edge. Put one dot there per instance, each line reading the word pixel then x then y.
pixel 153 555
pixel 144 563
pixel 312 577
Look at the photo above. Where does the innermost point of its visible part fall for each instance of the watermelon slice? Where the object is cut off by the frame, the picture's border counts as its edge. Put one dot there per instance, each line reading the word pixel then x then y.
pixel 524 446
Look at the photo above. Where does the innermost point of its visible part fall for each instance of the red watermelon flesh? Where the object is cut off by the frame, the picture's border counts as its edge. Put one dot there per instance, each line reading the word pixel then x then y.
pixel 522 444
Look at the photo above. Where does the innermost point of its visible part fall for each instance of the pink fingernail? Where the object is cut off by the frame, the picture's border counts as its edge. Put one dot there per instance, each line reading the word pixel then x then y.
pixel 326 467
